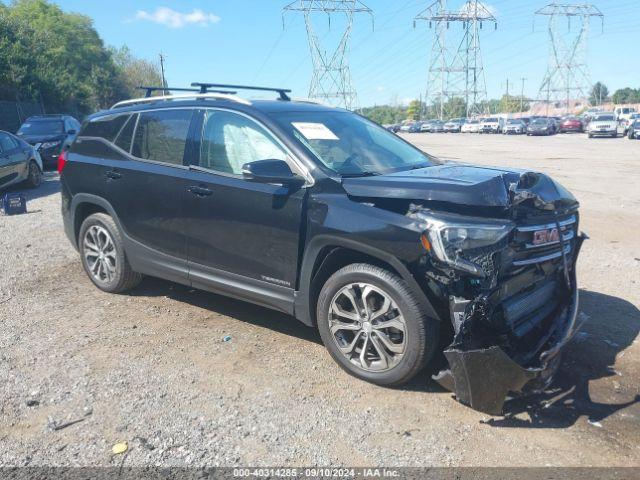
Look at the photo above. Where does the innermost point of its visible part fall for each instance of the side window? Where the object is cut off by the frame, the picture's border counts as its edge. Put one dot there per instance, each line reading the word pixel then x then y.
pixel 162 135
pixel 230 140
pixel 126 134
pixel 106 127
pixel 6 143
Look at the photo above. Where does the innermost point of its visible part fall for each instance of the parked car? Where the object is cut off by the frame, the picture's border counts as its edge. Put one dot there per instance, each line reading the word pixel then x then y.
pixel 514 126
pixel 542 126
pixel 471 126
pixel 411 127
pixel 571 124
pixel 324 215
pixel 634 130
pixel 395 127
pixel 437 126
pixel 603 124
pixel 492 125
pixel 19 162
pixel 52 133
pixel 624 113
pixel 426 126
pixel 454 125
pixel 625 123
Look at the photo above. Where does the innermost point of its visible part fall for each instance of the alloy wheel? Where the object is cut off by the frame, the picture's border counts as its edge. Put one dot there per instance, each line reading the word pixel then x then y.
pixel 100 254
pixel 367 327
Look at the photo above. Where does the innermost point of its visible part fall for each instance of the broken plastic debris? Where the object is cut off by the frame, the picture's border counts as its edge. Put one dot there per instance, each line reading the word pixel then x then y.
pixel 594 423
pixel 119 448
pixel 226 338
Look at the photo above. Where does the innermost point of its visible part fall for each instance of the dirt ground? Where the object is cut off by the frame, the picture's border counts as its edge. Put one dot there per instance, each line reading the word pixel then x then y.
pixel 81 370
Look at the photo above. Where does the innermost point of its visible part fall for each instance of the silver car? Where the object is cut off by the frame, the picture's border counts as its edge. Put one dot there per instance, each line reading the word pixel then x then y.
pixel 19 162
pixel 514 127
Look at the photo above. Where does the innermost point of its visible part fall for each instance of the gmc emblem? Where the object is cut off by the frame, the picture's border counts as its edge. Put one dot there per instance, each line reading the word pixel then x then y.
pixel 542 237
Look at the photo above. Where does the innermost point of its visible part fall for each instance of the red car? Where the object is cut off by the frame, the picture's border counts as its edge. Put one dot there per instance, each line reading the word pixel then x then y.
pixel 571 124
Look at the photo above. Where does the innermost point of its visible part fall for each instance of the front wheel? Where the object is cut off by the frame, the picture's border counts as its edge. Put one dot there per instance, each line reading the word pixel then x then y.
pixel 371 323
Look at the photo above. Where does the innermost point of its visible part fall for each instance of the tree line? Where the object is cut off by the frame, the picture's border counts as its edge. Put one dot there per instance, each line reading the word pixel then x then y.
pixel 58 59
pixel 453 108
pixel 456 107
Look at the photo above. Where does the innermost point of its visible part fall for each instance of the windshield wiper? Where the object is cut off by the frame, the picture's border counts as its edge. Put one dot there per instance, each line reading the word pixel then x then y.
pixel 359 174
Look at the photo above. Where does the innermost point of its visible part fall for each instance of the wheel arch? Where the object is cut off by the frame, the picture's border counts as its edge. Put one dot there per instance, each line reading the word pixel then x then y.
pixel 325 255
pixel 84 205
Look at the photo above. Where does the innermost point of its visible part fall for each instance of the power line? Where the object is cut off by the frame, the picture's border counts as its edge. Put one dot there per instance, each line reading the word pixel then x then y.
pixel 331 80
pixel 567 76
pixel 460 73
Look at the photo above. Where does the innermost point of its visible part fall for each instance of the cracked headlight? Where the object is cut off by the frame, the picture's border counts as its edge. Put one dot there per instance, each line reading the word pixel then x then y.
pixel 449 239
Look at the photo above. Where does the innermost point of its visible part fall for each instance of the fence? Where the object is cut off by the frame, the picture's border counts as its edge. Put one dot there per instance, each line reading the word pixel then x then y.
pixel 12 114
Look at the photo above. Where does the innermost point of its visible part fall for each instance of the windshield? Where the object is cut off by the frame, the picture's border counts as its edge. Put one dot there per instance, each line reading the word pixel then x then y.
pixel 491 120
pixel 42 127
pixel 473 122
pixel 514 122
pixel 350 145
pixel 604 118
pixel 539 121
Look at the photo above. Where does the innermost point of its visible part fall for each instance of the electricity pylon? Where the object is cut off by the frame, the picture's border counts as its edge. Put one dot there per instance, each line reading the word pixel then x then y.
pixel 567 76
pixel 331 80
pixel 459 73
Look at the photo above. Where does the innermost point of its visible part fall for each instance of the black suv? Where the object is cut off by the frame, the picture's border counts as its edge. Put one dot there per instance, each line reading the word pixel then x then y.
pixel 50 134
pixel 324 215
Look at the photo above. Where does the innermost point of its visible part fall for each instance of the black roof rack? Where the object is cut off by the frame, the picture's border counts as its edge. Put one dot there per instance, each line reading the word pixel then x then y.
pixel 150 90
pixel 206 88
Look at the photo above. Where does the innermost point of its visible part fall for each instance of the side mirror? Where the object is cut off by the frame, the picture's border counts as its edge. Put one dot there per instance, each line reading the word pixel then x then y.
pixel 271 171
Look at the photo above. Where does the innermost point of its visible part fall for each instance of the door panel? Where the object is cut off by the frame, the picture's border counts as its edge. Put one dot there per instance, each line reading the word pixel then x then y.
pixel 147 190
pixel 12 160
pixel 246 228
pixel 237 226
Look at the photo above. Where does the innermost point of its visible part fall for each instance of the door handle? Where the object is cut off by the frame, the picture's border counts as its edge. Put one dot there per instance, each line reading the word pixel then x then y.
pixel 113 175
pixel 200 191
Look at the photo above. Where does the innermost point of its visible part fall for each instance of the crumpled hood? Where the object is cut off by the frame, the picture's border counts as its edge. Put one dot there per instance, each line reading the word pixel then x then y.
pixel 33 139
pixel 465 185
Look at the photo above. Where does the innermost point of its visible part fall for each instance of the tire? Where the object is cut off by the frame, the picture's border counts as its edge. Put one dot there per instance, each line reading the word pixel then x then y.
pixel 34 179
pixel 590 135
pixel 418 341
pixel 614 135
pixel 115 274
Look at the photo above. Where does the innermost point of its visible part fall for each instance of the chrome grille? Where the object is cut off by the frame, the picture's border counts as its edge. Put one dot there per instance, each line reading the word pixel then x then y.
pixel 530 250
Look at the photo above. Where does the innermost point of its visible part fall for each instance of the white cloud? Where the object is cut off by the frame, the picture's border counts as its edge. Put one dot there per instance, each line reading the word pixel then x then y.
pixel 172 19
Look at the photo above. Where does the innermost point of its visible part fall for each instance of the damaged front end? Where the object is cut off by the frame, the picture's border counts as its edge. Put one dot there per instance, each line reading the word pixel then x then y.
pixel 512 291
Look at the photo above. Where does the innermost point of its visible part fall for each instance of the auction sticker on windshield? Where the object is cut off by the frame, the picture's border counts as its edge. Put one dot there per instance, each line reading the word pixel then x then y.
pixel 314 131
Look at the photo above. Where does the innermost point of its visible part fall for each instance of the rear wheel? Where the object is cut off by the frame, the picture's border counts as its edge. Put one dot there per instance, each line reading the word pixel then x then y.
pixel 372 325
pixel 103 256
pixel 34 179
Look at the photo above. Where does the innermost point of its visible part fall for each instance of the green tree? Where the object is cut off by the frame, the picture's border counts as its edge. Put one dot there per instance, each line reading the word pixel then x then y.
pixel 513 104
pixel 135 72
pixel 599 94
pixel 59 58
pixel 626 95
pixel 415 110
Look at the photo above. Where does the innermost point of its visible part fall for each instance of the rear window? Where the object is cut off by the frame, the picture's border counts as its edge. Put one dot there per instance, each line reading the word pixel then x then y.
pixel 161 136
pixel 106 127
pixel 42 127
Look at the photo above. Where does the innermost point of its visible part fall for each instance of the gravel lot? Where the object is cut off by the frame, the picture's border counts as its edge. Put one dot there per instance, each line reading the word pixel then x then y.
pixel 81 370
